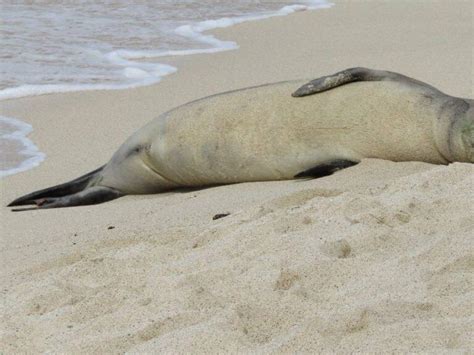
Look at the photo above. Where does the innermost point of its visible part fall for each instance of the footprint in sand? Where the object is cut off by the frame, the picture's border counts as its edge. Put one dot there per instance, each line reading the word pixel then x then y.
pixel 301 197
pixel 286 280
pixel 337 249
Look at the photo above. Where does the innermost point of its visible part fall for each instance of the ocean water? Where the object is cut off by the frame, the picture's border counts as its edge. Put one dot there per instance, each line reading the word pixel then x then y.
pixel 18 153
pixel 58 46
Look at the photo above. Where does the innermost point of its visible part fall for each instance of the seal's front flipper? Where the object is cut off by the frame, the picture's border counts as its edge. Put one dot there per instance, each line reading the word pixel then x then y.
pixel 325 169
pixel 89 196
pixel 350 76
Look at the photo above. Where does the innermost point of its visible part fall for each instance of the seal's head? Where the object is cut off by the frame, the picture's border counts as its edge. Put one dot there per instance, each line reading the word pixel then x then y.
pixel 454 130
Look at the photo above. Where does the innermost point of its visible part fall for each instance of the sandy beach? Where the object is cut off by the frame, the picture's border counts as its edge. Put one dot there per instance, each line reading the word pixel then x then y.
pixel 375 258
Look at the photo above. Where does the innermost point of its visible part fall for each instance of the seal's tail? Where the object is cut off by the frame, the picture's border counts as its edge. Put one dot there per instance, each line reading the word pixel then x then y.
pixel 77 192
pixel 351 75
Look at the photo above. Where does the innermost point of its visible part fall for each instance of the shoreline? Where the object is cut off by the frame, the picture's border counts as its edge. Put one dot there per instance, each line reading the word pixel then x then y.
pixel 199 32
pixel 373 258
pixel 25 157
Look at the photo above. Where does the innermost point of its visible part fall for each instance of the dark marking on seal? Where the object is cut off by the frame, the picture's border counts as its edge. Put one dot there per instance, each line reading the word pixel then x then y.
pixel 326 168
pixel 220 215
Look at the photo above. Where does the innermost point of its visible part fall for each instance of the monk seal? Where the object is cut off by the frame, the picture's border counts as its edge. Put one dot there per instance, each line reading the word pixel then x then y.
pixel 269 133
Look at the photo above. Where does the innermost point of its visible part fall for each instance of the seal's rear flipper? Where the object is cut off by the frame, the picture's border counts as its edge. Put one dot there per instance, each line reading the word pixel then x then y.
pixel 350 76
pixel 67 188
pixel 90 196
pixel 80 191
pixel 326 168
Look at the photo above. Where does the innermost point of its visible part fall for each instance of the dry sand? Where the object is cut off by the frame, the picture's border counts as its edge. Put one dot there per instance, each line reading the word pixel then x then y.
pixel 376 258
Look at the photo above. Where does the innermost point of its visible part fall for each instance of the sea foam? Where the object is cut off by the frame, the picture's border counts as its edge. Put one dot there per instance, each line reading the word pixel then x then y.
pixel 14 133
pixel 135 73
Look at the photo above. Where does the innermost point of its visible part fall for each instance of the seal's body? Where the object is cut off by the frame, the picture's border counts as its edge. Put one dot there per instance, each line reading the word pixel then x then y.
pixel 266 133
